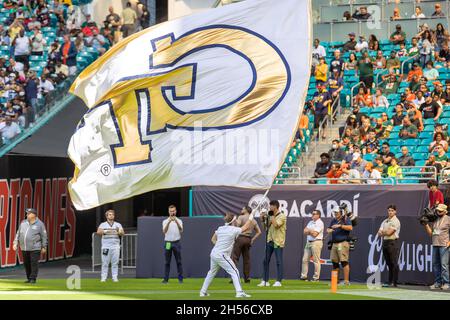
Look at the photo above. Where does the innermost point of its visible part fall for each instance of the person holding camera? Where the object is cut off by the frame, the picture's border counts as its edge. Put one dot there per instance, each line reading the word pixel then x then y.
pixel 340 228
pixel 313 247
pixel 110 231
pixel 390 231
pixel 172 229
pixel 274 223
pixel 439 233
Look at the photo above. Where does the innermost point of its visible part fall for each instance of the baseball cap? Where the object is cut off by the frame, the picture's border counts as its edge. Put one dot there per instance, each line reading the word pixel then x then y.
pixel 427 94
pixel 437 83
pixel 351 34
pixel 31 210
pixel 398 26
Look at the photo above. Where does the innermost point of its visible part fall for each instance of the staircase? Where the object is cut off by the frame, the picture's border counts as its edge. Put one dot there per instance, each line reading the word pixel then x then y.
pixel 307 161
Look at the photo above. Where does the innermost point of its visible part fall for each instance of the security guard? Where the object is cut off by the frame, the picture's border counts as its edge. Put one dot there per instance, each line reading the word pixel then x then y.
pixel 390 231
pixel 32 239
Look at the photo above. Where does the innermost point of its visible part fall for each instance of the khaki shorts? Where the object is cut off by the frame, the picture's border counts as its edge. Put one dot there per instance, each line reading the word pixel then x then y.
pixel 340 252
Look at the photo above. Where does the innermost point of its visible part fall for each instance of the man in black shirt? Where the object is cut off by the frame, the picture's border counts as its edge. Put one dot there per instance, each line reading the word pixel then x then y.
pixel 444 54
pixel 361 14
pixel 323 166
pixel 386 154
pixel 430 108
pixel 336 152
pixel 351 43
pixel 397 118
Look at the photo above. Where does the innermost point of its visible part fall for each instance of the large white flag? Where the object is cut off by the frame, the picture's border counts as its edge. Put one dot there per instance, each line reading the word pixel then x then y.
pixel 209 99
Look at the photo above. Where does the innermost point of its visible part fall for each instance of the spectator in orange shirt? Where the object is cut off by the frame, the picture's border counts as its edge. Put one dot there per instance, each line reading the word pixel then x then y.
pixel 409 95
pixel 415 71
pixel 334 173
pixel 303 123
pixel 414 115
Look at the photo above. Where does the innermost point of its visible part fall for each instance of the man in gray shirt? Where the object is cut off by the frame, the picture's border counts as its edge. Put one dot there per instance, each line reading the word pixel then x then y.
pixel 439 232
pixel 32 239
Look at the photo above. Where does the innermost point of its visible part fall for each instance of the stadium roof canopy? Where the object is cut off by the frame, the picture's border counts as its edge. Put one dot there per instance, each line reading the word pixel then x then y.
pixel 53 139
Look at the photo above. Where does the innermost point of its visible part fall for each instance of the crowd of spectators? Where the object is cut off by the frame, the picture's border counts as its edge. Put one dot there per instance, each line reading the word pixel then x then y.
pixel 424 97
pixel 53 33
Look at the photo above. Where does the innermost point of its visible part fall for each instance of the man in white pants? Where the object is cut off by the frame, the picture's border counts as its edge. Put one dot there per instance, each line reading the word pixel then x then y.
pixel 223 240
pixel 111 231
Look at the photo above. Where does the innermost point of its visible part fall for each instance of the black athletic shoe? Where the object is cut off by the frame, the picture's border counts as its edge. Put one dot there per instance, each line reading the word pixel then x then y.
pixel 247 280
pixel 32 281
pixel 164 281
pixel 180 281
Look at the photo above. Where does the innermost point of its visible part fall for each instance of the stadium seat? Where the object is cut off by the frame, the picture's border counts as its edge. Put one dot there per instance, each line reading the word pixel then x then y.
pixel 411 142
pixel 420 156
pixel 369 157
pixel 426 135
pixel 422 149
pixel 428 121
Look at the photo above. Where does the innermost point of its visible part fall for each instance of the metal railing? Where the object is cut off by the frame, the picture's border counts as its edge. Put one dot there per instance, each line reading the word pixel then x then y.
pixel 325 181
pixel 444 175
pixel 128 251
pixel 414 175
pixel 353 88
pixel 402 68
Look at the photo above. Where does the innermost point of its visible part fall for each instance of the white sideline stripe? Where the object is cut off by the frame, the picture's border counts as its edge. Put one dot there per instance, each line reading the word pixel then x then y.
pixel 399 294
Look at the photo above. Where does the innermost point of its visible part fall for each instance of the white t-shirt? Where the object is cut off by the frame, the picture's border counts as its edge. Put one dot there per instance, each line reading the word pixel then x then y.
pixel 374 176
pixel 226 235
pixel 361 45
pixel 317 226
pixel 22 46
pixel 11 131
pixel 110 241
pixel 173 233
pixel 319 52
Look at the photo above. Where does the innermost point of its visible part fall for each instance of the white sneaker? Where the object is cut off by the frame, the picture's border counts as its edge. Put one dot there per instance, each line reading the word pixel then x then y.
pixel 445 287
pixel 103 280
pixel 277 284
pixel 204 294
pixel 116 280
pixel 435 286
pixel 264 284
pixel 242 294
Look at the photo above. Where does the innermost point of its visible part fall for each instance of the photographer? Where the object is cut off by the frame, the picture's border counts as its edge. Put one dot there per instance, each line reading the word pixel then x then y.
pixel 340 228
pixel 275 223
pixel 390 231
pixel 439 233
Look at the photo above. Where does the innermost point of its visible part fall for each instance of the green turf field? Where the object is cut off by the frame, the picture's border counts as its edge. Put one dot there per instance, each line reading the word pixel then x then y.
pixel 153 289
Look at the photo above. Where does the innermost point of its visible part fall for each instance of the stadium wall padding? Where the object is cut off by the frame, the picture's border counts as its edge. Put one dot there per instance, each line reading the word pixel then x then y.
pixel 415 253
pixel 41 182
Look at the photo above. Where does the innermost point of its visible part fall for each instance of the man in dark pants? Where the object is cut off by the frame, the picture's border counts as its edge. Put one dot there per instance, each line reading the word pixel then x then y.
pixel 244 241
pixel 32 239
pixel 390 231
pixel 172 229
pixel 275 221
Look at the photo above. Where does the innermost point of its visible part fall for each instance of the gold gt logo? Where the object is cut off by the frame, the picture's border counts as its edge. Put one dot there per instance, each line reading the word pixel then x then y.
pixel 140 105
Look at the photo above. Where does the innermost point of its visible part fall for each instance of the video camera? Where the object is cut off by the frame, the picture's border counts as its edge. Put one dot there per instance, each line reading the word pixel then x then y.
pixel 348 214
pixel 428 215
pixel 354 220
